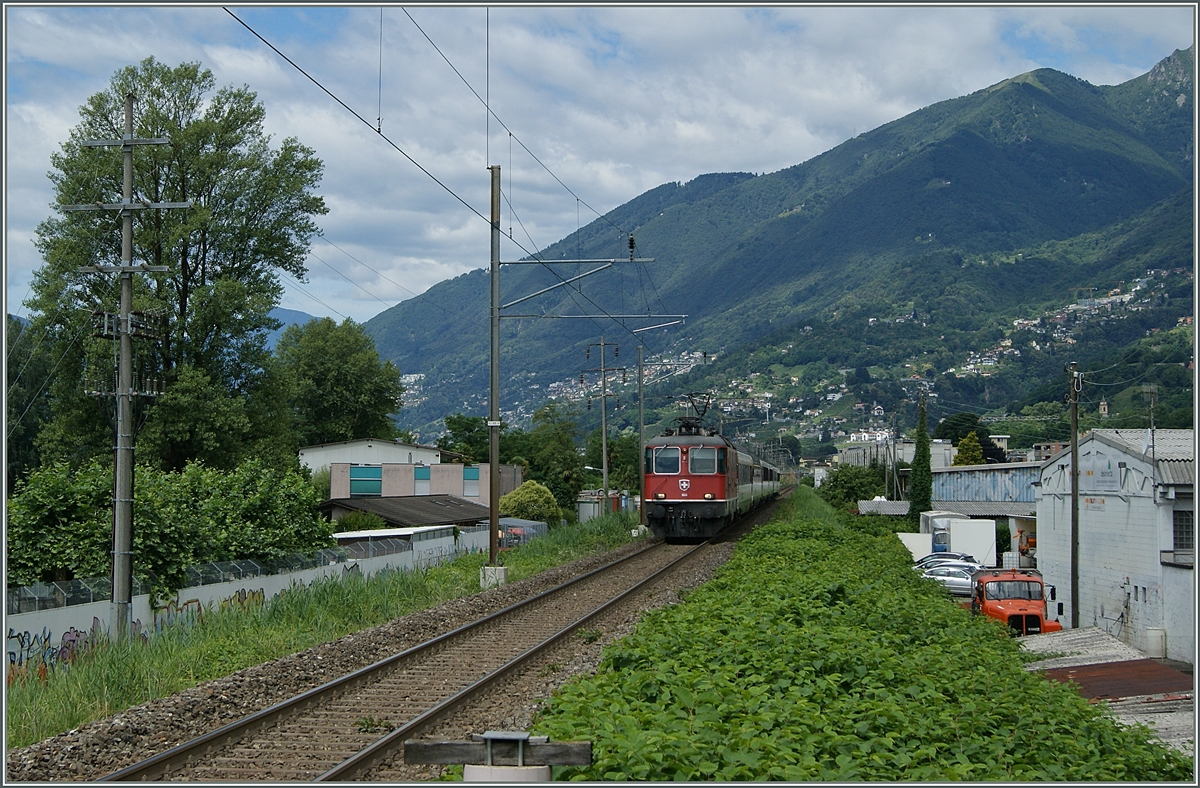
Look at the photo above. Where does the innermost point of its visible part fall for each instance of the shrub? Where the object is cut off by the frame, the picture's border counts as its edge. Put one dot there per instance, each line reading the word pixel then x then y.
pixel 360 521
pixel 532 501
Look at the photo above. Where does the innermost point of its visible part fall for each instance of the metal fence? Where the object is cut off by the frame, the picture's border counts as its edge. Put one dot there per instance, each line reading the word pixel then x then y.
pixel 47 596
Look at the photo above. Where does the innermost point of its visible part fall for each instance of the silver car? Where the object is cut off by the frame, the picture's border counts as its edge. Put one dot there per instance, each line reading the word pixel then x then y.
pixel 956 579
pixel 968 565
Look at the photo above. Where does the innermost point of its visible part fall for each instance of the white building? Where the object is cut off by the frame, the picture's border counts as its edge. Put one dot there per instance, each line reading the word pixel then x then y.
pixel 1136 536
pixel 368 451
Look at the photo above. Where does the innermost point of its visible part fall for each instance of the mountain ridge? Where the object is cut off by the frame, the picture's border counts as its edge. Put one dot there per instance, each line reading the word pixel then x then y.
pixel 1037 158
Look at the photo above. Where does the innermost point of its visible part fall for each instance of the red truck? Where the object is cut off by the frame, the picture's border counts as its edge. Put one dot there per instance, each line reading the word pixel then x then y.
pixel 1017 597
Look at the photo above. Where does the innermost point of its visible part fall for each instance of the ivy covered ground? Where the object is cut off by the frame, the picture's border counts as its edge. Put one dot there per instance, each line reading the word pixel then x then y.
pixel 818 654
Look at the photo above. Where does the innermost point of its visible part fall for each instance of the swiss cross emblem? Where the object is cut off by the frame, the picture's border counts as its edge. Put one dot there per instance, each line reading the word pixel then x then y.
pixel 684 484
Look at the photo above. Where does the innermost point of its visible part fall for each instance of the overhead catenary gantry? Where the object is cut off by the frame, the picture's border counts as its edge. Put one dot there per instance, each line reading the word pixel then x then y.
pixel 496 307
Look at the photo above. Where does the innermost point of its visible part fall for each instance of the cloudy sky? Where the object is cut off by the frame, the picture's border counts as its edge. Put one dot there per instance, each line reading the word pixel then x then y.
pixel 613 101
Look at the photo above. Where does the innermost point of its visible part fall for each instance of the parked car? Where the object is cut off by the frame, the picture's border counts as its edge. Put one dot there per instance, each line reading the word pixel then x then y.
pixel 967 565
pixel 944 557
pixel 957 580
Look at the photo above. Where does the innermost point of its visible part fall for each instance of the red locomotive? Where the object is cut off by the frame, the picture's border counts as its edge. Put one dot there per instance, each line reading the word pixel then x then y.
pixel 697 482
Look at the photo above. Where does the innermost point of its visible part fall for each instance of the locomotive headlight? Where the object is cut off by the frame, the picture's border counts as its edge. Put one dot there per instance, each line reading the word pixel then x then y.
pixel 708 496
pixel 660 496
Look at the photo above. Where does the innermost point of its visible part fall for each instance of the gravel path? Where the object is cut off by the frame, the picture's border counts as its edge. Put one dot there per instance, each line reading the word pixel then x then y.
pixel 104 746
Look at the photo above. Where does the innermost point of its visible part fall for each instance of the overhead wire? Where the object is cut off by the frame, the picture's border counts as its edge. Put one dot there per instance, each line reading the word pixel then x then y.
pixel 418 165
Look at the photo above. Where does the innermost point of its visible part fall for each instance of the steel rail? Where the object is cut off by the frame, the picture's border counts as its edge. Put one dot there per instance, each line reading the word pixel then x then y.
pixel 164 762
pixel 356 766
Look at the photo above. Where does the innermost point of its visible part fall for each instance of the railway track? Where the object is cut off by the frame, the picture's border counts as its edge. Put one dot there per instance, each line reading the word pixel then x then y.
pixel 347 727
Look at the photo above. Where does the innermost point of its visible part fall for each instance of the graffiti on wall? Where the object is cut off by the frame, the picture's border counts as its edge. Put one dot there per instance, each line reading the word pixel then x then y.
pixel 39 653
pixel 175 613
pixel 244 600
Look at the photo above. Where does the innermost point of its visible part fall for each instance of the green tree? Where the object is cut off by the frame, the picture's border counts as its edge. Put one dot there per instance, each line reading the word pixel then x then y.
pixel 849 484
pixel 920 482
pixel 531 501
pixel 624 464
pixel 553 459
pixel 28 368
pixel 340 389
pixel 252 219
pixel 969 450
pixel 468 436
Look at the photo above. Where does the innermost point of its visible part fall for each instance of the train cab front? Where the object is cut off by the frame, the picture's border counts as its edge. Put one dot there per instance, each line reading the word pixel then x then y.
pixel 685 489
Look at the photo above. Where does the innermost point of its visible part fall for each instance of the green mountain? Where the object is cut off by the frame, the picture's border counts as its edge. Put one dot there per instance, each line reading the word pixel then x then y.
pixel 960 217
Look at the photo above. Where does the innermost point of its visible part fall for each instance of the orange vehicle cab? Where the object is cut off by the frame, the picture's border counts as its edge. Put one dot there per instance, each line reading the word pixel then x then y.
pixel 1017 597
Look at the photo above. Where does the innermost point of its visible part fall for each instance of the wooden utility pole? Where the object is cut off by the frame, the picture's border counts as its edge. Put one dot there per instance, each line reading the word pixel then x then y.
pixel 122 542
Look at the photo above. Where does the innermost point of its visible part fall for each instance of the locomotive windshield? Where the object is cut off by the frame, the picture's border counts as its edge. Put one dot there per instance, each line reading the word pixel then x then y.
pixel 666 459
pixel 702 460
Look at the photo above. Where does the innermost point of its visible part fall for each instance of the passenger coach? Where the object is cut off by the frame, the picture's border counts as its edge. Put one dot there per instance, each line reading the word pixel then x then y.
pixel 697 482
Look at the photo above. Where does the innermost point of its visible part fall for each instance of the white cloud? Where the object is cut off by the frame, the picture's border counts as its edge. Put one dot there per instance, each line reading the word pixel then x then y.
pixel 614 100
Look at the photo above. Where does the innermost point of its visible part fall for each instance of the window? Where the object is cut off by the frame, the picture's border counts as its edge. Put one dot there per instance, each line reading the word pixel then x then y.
pixel 421 480
pixel 702 460
pixel 721 461
pixel 366 481
pixel 471 482
pixel 666 459
pixel 1184 529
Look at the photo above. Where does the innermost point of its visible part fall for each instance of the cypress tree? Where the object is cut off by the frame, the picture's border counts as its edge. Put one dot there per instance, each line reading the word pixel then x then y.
pixel 920 483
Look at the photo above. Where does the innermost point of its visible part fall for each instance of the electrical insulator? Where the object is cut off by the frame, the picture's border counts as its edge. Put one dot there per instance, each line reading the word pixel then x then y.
pixel 631 244
pixel 589 403
pixel 706 357
pixel 581 378
pixel 588 353
pixel 624 378
pixel 616 351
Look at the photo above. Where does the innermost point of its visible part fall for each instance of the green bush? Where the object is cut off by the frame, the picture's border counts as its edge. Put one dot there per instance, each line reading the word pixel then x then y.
pixel 817 654
pixel 360 521
pixel 60 522
pixel 532 501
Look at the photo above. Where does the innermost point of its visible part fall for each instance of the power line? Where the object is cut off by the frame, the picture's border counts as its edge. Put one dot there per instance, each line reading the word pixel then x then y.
pixel 415 163
pixel 503 125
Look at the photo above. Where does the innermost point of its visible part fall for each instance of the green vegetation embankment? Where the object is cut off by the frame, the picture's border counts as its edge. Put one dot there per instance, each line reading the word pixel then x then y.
pixel 816 653
pixel 111 677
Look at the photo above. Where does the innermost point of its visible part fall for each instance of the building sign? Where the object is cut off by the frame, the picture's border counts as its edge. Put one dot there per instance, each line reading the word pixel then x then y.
pixel 1094 504
pixel 1101 473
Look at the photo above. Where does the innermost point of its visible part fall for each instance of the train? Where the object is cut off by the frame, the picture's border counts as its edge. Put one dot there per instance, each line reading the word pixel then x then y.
pixel 697 482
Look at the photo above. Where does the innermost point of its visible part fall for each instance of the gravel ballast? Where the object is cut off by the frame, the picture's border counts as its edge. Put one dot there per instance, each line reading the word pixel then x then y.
pixel 101 747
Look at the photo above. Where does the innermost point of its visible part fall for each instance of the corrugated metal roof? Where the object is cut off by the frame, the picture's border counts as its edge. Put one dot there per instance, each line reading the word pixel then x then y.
pixel 1177 471
pixel 410 511
pixel 895 508
pixel 1168 444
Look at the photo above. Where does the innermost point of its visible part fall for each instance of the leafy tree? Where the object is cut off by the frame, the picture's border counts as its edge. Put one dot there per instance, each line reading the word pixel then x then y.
pixel 60 521
pixel 196 420
pixel 624 464
pixel 468 436
pixel 531 501
pixel 920 482
pixel 26 399
pixel 969 450
pixel 849 484
pixel 341 390
pixel 553 460
pixel 252 218
pixel 954 428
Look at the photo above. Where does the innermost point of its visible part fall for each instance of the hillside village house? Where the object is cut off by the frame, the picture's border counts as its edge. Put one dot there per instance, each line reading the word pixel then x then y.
pixel 1136 536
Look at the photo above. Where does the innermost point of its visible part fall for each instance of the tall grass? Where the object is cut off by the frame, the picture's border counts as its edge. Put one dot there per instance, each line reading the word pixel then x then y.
pixel 111 677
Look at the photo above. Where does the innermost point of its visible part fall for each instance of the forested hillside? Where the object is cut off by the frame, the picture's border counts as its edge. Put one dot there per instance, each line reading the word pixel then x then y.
pixel 959 218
